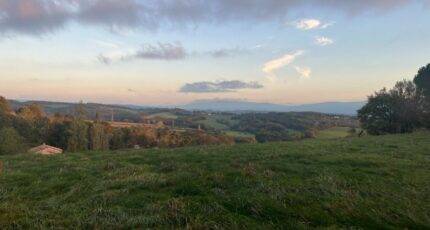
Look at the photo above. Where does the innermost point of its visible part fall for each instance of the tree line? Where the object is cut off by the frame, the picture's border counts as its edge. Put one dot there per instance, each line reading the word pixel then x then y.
pixel 402 109
pixel 29 126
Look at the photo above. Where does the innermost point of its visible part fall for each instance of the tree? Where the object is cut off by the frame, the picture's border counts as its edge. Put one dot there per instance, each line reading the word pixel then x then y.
pixel 120 138
pixel 77 131
pixel 31 112
pixel 422 80
pixel 32 119
pixel 99 136
pixel 77 135
pixel 11 142
pixel 395 111
pixel 5 119
pixel 57 134
pixel 4 105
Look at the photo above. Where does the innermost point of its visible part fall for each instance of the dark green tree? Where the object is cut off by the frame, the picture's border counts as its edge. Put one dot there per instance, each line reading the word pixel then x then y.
pixel 77 136
pixel 99 136
pixel 422 80
pixel 77 131
pixel 395 111
pixel 58 134
pixel 11 142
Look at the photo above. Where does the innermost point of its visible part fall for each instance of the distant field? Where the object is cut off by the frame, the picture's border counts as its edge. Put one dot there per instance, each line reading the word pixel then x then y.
pixel 224 122
pixel 333 133
pixel 218 121
pixel 165 115
pixel 355 183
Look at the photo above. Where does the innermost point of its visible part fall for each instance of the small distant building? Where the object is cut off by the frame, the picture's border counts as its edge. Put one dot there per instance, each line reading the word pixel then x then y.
pixel 46 150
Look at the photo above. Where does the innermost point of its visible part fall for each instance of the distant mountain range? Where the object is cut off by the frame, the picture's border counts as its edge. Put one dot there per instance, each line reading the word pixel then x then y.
pixel 347 108
pixel 216 105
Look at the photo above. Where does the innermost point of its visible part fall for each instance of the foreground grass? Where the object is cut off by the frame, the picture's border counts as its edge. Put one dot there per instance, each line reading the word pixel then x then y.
pixel 366 183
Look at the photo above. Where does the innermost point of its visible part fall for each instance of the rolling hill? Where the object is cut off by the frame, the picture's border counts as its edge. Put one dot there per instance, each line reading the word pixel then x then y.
pixel 346 108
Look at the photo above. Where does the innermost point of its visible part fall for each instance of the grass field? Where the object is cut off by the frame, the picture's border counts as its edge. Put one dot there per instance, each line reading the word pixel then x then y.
pixel 213 121
pixel 164 115
pixel 353 183
pixel 333 133
pixel 220 121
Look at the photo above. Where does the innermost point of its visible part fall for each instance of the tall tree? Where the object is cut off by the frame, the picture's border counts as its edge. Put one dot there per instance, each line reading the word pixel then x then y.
pixel 4 105
pixel 99 136
pixel 77 135
pixel 77 131
pixel 422 80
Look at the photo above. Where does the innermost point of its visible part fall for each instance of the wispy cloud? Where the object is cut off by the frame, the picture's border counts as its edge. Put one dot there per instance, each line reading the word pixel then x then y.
pixel 220 53
pixel 323 41
pixel 281 62
pixel 161 51
pixel 219 86
pixel 305 72
pixel 310 24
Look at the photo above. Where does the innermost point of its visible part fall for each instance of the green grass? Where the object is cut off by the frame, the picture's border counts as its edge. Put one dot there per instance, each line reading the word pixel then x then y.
pixel 213 121
pixel 333 133
pixel 353 183
pixel 165 115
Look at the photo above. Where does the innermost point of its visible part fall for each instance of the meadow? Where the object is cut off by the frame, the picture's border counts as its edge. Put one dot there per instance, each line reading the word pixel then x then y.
pixel 352 183
pixel 335 132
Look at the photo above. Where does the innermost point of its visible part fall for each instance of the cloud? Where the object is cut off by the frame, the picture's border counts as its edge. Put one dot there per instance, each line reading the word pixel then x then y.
pixel 305 72
pixel 220 53
pixel 281 62
pixel 310 24
pixel 323 41
pixel 36 17
pixel 161 51
pixel 218 87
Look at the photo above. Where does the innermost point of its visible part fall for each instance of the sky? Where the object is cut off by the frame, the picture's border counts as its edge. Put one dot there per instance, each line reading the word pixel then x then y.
pixel 172 52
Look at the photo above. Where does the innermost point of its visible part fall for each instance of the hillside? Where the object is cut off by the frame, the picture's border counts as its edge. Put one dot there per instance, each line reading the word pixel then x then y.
pixel 356 183
pixel 238 106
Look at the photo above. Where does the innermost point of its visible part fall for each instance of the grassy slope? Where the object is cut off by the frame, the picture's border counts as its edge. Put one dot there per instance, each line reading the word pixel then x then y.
pixel 213 122
pixel 371 183
pixel 333 133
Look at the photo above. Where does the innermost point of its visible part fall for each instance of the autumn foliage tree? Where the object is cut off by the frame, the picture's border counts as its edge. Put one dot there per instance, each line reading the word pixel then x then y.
pixel 4 105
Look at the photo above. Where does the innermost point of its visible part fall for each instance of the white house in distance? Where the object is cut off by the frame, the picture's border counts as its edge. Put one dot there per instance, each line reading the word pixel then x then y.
pixel 46 150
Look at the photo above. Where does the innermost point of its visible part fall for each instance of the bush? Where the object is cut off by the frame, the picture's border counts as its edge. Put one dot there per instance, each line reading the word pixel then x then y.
pixel 11 142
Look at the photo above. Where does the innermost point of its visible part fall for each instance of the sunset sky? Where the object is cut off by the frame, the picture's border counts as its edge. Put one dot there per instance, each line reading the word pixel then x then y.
pixel 165 52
